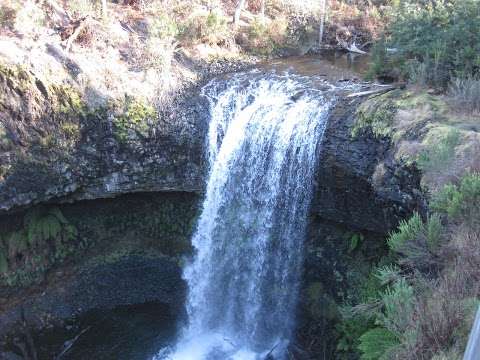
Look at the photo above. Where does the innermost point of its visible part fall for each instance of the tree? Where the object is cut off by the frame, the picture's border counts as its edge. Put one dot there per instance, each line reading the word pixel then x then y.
pixel 104 9
pixel 322 21
pixel 262 9
pixel 238 10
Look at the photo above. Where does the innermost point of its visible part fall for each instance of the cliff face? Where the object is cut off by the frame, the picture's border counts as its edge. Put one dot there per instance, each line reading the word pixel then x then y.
pixel 55 150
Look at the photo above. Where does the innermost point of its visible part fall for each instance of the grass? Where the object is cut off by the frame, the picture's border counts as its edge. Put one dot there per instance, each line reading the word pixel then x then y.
pixel 464 94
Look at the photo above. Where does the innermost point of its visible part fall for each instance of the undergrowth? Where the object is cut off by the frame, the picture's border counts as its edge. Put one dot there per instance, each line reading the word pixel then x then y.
pixel 426 297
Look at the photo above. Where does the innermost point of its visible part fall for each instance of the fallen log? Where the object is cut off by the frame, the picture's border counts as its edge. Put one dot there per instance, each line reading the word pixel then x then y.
pixel 372 92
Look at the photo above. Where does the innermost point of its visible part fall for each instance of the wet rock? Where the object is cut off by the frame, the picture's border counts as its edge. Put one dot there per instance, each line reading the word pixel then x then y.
pixel 127 281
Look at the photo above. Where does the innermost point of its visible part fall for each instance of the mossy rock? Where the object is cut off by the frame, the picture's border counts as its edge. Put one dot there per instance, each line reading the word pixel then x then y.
pixel 135 116
pixel 378 115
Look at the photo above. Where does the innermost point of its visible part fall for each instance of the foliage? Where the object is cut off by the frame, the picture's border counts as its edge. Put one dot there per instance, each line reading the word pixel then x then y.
pixel 30 18
pixel 7 16
pixel 397 301
pixel 440 152
pixel 136 117
pixel 417 242
pixel 163 27
pixel 377 115
pixel 351 328
pixel 429 293
pixel 440 34
pixel 465 94
pixel 355 241
pixel 460 201
pixel 211 28
pixel 265 38
pixel 81 8
pixel 375 344
pixel 23 254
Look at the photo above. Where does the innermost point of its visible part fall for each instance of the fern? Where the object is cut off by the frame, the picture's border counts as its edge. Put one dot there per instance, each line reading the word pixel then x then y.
pixel 376 343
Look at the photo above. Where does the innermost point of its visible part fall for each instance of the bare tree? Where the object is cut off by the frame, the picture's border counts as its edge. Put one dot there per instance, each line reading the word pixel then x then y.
pixel 322 21
pixel 238 10
pixel 262 10
pixel 104 9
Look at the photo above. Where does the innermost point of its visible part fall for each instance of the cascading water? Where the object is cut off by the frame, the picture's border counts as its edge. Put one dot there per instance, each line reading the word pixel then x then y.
pixel 243 282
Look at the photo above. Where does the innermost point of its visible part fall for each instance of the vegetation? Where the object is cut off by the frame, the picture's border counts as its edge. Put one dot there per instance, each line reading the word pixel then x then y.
pixel 431 42
pixel 136 117
pixel 25 254
pixel 426 297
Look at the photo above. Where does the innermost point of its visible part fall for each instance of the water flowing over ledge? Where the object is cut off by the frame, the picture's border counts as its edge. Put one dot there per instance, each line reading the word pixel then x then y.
pixel 243 281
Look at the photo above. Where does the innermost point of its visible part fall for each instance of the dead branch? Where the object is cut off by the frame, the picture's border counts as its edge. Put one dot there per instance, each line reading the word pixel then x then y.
pixel 373 92
pixel 61 12
pixel 349 47
pixel 70 343
pixel 269 354
pixel 75 29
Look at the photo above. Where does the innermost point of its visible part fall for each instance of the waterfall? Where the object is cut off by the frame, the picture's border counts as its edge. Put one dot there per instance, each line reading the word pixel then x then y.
pixel 243 282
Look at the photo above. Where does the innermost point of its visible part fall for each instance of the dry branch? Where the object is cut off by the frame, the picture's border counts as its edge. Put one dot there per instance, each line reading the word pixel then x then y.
pixel 372 92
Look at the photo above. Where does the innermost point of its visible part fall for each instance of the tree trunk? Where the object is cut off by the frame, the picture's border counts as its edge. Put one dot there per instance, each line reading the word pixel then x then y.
pixel 322 22
pixel 238 11
pixel 262 10
pixel 104 9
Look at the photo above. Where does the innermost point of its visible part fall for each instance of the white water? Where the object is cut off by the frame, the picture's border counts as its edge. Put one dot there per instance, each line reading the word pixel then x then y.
pixel 243 281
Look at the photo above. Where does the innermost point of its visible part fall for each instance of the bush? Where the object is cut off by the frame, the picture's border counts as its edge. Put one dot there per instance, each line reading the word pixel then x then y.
pixel 417 242
pixel 7 16
pixel 376 343
pixel 460 201
pixel 465 94
pixel 211 28
pixel 265 38
pixel 440 150
pixel 163 27
pixel 442 35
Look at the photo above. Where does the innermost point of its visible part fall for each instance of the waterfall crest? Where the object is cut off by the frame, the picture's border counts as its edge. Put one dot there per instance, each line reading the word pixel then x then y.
pixel 243 281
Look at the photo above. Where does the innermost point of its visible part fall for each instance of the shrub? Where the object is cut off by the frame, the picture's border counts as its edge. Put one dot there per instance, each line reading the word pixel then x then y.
pixel 30 18
pixel 81 8
pixel 7 16
pixel 440 34
pixel 460 201
pixel 417 242
pixel 376 343
pixel 163 27
pixel 211 28
pixel 440 150
pixel 265 38
pixel 465 94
